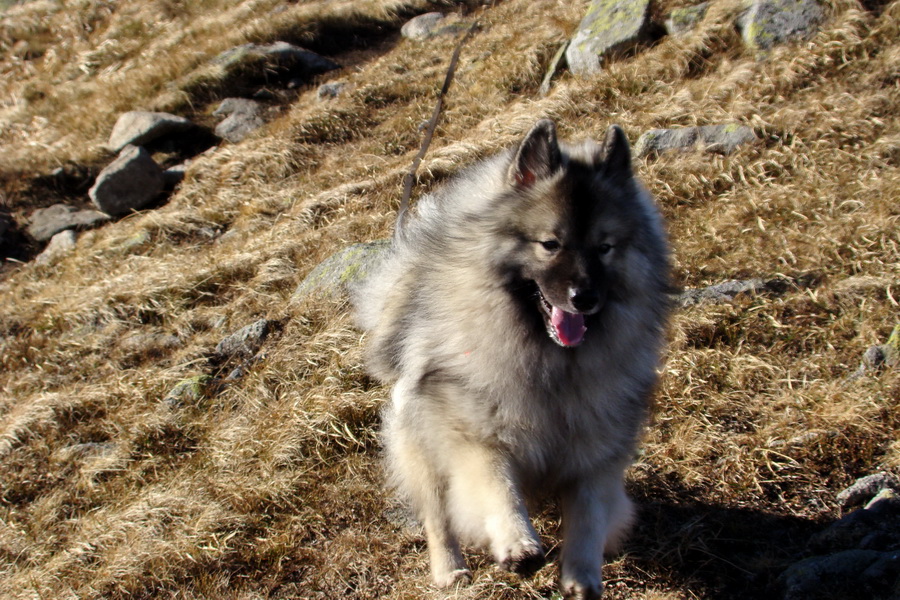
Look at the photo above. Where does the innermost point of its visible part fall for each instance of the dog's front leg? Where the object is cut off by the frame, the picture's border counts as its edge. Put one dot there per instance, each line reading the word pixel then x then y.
pixel 596 513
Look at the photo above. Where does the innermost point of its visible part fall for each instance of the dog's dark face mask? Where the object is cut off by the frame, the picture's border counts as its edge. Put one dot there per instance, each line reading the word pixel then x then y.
pixel 572 253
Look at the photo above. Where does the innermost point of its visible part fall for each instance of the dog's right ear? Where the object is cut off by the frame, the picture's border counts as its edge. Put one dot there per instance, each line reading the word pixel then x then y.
pixel 538 156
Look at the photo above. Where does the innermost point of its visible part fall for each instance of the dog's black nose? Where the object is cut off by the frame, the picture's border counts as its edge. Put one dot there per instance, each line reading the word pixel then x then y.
pixel 584 300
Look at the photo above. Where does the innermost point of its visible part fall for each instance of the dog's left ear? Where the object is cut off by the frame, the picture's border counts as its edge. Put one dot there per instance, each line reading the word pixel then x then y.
pixel 538 156
pixel 616 154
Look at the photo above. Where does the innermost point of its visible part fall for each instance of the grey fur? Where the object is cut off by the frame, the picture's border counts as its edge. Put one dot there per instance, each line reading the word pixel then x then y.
pixel 488 412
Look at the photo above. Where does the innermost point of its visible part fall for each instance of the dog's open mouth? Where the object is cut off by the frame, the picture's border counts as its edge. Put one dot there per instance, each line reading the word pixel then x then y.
pixel 565 328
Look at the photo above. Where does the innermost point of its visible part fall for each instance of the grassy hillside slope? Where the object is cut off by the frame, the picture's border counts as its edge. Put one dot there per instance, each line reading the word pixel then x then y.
pixel 269 485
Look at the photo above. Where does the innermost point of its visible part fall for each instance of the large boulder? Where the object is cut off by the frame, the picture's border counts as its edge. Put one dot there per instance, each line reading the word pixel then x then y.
pixel 47 222
pixel 609 29
pixel 127 184
pixel 139 127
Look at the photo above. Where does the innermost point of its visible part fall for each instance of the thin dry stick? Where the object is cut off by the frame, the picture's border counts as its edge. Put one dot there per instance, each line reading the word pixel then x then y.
pixel 410 176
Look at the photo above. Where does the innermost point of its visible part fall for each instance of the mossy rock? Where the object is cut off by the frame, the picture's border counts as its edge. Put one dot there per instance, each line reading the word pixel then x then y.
pixel 335 277
pixel 609 29
pixel 767 23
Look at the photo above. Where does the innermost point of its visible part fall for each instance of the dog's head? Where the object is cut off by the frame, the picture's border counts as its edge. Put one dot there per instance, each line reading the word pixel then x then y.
pixel 577 216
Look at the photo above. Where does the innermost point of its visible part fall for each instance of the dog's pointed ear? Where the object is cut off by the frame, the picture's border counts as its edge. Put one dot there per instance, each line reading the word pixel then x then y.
pixel 616 154
pixel 538 156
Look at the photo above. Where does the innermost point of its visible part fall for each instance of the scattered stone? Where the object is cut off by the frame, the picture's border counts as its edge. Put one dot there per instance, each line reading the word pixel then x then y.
pixel 47 222
pixel 557 63
pixel 188 391
pixel 721 139
pixel 333 278
pixel 866 488
pixel 127 184
pixel 879 357
pixel 770 22
pixel 329 91
pixel 140 127
pixel 423 26
pixel 609 29
pixel 60 244
pixel 246 341
pixel 243 118
pixel 727 290
pixel 683 20
pixel 851 574
pixel 275 63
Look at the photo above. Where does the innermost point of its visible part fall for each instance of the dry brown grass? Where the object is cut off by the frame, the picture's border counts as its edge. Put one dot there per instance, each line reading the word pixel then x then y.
pixel 269 487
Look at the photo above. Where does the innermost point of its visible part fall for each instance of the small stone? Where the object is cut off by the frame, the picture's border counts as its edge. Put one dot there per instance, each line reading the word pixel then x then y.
pixel 866 488
pixel 423 26
pixel 127 184
pixel 47 222
pixel 246 341
pixel 60 244
pixel 188 391
pixel 140 127
pixel 243 118
pixel 722 139
pixel 329 91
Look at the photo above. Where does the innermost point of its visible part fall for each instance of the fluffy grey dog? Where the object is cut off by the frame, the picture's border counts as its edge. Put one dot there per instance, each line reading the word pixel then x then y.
pixel 519 317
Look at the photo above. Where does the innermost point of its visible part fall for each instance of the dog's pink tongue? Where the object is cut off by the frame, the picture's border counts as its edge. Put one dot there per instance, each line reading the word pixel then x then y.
pixel 569 327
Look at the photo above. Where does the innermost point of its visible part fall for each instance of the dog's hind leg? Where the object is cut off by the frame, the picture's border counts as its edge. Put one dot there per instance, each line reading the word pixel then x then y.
pixel 596 514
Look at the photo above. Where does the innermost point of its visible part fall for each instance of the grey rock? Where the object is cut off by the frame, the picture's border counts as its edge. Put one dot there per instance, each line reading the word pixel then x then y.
pixel 423 26
pixel 60 244
pixel 278 61
pixel 230 106
pixel 723 139
pixel 866 488
pixel 47 222
pixel 851 574
pixel 728 290
pixel 237 126
pixel 129 183
pixel 188 391
pixel 609 29
pixel 557 63
pixel 683 20
pixel 140 127
pixel 243 118
pixel 335 276
pixel 328 91
pixel 246 341
pixel 767 23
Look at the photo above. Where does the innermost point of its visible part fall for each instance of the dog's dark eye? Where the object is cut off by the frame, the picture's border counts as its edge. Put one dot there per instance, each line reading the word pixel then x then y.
pixel 604 249
pixel 550 245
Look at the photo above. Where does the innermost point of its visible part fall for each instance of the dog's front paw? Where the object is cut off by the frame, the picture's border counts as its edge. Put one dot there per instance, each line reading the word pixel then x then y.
pixel 524 559
pixel 453 578
pixel 582 591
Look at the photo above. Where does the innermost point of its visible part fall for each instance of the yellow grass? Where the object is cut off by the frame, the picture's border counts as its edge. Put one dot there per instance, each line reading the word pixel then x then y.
pixel 270 486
